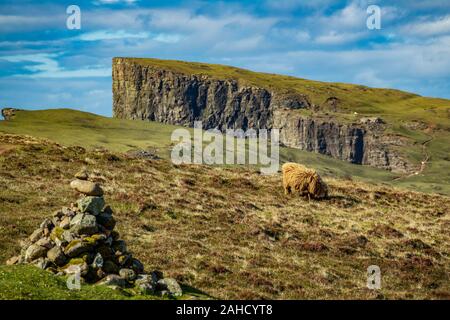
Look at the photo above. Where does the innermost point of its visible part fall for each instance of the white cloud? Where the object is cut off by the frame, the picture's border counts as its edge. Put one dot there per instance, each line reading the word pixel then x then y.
pixel 112 35
pixel 334 37
pixel 439 26
pixel 44 65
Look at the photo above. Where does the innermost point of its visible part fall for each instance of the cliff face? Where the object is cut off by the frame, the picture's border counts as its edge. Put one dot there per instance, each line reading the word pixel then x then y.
pixel 151 93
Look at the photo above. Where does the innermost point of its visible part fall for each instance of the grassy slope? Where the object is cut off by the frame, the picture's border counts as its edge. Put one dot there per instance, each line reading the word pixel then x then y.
pixel 71 127
pixel 231 232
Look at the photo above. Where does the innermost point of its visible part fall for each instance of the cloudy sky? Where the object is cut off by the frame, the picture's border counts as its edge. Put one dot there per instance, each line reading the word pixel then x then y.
pixel 43 64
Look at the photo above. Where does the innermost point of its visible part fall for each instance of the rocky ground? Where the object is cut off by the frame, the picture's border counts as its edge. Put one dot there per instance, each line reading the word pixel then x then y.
pixel 230 232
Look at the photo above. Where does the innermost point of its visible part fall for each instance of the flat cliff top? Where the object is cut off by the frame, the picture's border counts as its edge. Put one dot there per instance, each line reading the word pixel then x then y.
pixel 394 105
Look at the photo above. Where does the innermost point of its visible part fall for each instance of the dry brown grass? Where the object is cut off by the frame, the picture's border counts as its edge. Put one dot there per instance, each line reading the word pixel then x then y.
pixel 232 233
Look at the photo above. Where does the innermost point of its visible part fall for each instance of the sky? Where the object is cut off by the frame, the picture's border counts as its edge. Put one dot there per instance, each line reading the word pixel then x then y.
pixel 44 64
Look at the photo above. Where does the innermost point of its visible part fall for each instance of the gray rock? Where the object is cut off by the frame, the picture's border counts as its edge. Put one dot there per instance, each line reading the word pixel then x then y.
pixel 34 252
pixel 87 187
pixel 46 224
pixel 84 223
pixel 120 247
pixel 77 247
pixel 110 267
pixel 98 261
pixel 93 205
pixel 45 242
pixel 13 260
pixel 113 280
pixel 36 235
pixel 170 285
pixel 57 256
pixel 137 266
pixel 82 175
pixel 65 223
pixel 106 220
pixel 42 263
pixel 128 274
pixel 144 284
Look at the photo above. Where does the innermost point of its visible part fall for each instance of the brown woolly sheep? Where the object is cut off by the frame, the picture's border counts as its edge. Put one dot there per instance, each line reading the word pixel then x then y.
pixel 303 181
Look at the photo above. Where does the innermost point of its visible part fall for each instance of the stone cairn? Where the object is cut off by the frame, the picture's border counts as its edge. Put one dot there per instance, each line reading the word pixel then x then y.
pixel 81 239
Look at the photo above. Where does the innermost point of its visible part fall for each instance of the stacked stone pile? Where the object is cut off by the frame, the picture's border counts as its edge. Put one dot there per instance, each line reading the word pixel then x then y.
pixel 80 239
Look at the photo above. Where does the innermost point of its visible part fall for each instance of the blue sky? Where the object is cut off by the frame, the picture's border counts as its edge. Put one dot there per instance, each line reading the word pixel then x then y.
pixel 45 65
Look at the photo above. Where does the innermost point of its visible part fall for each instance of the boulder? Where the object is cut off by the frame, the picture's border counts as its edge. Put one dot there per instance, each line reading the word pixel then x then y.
pixel 113 280
pixel 144 284
pixel 77 247
pixel 127 274
pixel 170 285
pixel 106 220
pixel 84 223
pixel 93 205
pixel 13 260
pixel 110 267
pixel 57 256
pixel 36 235
pixel 88 188
pixel 34 252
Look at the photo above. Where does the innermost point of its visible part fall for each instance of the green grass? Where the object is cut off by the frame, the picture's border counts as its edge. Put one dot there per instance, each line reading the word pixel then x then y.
pixel 27 282
pixel 75 128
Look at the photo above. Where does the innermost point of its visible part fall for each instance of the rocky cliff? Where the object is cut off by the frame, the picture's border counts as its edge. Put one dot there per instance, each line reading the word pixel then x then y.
pixel 148 92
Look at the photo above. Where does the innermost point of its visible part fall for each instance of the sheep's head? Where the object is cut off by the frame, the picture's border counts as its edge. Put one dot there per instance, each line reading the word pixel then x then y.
pixel 318 188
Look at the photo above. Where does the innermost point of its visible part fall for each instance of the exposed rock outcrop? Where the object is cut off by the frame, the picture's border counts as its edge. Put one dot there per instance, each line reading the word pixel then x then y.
pixel 9 113
pixel 147 92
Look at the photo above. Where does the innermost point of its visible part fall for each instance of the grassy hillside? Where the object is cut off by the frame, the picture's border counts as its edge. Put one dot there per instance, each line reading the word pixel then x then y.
pixel 229 231
pixel 71 127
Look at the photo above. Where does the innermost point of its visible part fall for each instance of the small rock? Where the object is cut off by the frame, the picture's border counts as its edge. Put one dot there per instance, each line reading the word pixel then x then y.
pixel 120 246
pixel 36 235
pixel 93 205
pixel 170 285
pixel 82 175
pixel 46 224
pixel 128 274
pixel 106 220
pixel 34 252
pixel 137 266
pixel 42 263
pixel 84 224
pixel 13 260
pixel 144 284
pixel 98 261
pixel 57 256
pixel 123 259
pixel 65 223
pixel 45 242
pixel 77 247
pixel 110 267
pixel 74 267
pixel 112 280
pixel 88 188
